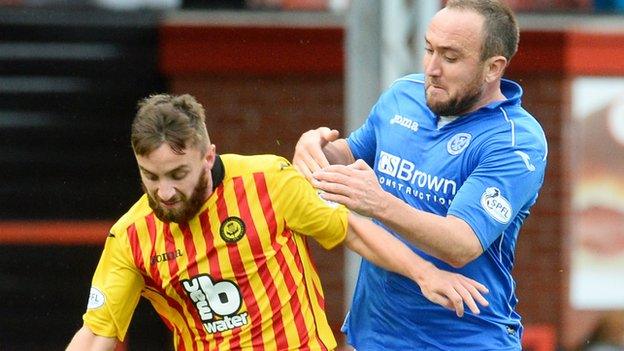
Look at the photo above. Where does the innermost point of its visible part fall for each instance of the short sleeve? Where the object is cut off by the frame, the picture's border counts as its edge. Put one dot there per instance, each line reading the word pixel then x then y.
pixel 305 212
pixel 115 291
pixel 501 189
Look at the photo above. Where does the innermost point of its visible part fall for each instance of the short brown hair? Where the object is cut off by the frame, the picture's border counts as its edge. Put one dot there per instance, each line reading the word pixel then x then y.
pixel 501 32
pixel 176 120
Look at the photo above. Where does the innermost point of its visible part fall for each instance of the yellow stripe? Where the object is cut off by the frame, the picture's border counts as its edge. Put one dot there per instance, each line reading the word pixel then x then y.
pixel 311 280
pixel 163 270
pixel 202 260
pixel 183 263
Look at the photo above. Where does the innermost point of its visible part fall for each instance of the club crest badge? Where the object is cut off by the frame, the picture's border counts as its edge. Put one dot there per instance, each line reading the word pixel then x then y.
pixel 232 229
pixel 458 143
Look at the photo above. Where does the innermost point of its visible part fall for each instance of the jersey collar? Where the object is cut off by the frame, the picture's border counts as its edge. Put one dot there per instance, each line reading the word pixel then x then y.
pixel 217 172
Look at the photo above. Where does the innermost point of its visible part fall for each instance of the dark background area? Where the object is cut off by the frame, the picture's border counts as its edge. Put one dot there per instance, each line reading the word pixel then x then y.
pixel 69 83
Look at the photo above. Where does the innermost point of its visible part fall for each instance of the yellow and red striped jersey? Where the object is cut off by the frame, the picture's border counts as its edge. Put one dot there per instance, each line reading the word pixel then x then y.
pixel 238 276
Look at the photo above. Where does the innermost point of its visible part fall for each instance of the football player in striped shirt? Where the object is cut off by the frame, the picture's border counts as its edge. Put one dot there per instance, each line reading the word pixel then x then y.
pixel 217 244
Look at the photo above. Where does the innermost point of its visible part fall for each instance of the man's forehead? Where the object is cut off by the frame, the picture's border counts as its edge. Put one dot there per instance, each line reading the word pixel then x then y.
pixel 455 29
pixel 164 159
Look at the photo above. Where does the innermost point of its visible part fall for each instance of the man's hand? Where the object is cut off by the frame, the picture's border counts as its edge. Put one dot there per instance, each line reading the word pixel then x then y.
pixel 452 290
pixel 354 186
pixel 309 156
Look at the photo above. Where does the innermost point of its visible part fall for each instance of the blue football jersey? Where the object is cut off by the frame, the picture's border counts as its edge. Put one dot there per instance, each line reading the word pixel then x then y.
pixel 485 167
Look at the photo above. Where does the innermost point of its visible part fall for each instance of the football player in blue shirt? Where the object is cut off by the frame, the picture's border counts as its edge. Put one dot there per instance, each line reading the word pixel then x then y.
pixel 451 163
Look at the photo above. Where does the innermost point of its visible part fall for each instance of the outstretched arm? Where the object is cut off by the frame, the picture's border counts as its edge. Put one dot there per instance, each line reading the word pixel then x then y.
pixel 85 340
pixel 450 290
pixel 357 187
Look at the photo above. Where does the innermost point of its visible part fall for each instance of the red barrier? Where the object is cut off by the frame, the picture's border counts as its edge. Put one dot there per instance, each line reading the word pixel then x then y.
pixel 54 232
pixel 539 337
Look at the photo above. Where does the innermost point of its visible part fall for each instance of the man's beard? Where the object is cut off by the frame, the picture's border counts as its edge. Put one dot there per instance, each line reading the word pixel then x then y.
pixel 190 207
pixel 460 104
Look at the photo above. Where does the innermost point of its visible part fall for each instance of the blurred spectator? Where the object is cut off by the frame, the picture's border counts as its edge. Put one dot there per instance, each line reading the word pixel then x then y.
pixel 608 334
pixel 609 5
pixel 137 4
pixel 214 4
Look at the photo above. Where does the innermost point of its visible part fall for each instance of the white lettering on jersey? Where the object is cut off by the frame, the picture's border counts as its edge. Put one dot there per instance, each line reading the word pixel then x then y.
pixel 217 303
pixel 406 170
pixel 404 122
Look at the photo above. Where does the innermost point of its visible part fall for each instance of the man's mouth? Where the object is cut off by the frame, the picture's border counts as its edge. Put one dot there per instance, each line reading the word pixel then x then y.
pixel 169 203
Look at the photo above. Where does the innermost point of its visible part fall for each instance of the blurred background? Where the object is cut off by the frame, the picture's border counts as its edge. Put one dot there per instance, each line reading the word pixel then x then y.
pixel 71 72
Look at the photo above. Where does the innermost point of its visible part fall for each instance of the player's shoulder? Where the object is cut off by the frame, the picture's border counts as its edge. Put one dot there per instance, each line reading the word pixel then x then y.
pixel 241 165
pixel 138 211
pixel 525 127
pixel 410 79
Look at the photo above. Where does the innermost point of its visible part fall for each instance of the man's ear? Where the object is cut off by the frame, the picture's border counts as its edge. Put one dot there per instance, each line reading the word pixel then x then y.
pixel 211 156
pixel 494 68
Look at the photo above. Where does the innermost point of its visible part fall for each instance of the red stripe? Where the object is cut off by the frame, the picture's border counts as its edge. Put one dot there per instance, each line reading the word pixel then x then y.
pixel 255 317
pixel 191 252
pixel 192 269
pixel 155 272
pixel 267 206
pixel 213 259
pixel 260 259
pixel 174 273
pixel 299 262
pixel 295 303
pixel 211 254
pixel 269 213
pixel 135 245
pixel 151 229
pixel 173 305
pixel 320 297
pixel 155 284
pixel 174 329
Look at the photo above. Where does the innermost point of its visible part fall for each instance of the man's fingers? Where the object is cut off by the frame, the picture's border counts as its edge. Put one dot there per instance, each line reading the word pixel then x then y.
pixel 360 164
pixel 337 198
pixel 336 174
pixel 468 299
pixel 475 291
pixel 329 134
pixel 458 303
pixel 482 288
pixel 338 169
pixel 331 187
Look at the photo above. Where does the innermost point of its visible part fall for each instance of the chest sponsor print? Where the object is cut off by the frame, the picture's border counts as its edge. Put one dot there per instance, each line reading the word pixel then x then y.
pixel 217 302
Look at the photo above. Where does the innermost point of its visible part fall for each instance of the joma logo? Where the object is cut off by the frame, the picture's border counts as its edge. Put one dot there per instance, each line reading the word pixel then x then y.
pixel 167 256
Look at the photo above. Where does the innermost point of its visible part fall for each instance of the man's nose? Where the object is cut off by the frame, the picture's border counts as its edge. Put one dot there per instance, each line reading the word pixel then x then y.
pixel 432 65
pixel 166 191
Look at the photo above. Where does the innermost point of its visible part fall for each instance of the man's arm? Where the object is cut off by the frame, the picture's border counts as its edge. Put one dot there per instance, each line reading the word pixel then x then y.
pixel 318 148
pixel 447 289
pixel 357 187
pixel 85 340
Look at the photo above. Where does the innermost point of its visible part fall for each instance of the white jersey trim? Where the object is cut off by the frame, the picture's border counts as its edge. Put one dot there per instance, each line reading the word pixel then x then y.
pixel 513 126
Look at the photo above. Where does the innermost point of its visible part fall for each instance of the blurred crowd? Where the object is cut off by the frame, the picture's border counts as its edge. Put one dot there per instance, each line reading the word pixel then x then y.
pixel 579 6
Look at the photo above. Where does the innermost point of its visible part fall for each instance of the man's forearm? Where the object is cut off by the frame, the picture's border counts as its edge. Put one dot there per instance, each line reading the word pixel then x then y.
pixel 384 250
pixel 85 340
pixel 448 238
pixel 338 152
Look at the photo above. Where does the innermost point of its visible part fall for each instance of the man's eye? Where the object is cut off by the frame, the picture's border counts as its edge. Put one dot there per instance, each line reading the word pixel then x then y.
pixel 179 175
pixel 450 59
